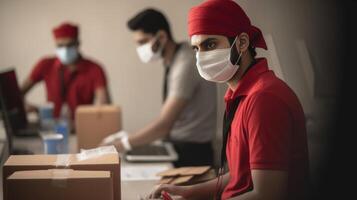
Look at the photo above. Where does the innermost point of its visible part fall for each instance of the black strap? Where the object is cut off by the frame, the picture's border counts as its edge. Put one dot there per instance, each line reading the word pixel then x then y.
pixel 62 84
pixel 228 118
pixel 166 75
pixel 227 121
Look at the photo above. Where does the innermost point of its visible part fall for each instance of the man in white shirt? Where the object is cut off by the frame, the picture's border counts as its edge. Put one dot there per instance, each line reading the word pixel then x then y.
pixel 188 114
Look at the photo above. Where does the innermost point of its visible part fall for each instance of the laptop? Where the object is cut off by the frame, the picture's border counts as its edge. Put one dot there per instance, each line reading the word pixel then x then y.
pixel 155 152
pixel 13 105
pixel 9 136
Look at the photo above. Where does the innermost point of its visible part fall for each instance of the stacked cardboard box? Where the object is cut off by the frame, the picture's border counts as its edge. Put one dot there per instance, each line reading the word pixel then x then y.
pixel 59 184
pixel 81 162
pixel 94 123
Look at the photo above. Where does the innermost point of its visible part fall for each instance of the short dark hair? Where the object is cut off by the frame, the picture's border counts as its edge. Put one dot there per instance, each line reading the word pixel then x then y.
pixel 150 21
pixel 251 49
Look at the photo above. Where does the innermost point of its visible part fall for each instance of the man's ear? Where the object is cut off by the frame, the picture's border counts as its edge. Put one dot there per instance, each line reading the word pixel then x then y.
pixel 242 43
pixel 162 36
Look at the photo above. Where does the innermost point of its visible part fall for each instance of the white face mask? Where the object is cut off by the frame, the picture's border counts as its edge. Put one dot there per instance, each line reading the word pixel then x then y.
pixel 146 54
pixel 216 65
pixel 67 55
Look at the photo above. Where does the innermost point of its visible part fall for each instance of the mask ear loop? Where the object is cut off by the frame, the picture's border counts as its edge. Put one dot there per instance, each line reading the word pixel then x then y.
pixel 240 54
pixel 239 57
pixel 156 39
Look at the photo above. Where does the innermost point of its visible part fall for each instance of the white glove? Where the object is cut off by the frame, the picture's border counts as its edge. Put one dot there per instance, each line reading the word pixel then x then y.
pixel 115 136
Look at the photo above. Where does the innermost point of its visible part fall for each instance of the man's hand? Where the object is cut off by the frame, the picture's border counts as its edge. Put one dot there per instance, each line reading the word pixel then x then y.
pixel 205 190
pixel 101 96
pixel 119 146
pixel 181 191
pixel 116 140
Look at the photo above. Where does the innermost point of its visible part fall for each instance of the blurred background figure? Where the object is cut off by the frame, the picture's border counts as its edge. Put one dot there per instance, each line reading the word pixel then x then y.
pixel 187 117
pixel 70 78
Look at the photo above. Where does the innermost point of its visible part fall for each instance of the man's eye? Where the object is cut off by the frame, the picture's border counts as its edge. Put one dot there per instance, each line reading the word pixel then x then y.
pixel 211 45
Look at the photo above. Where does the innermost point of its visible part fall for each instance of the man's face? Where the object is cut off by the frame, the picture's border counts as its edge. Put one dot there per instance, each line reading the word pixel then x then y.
pixel 67 50
pixel 142 38
pixel 209 42
pixel 66 42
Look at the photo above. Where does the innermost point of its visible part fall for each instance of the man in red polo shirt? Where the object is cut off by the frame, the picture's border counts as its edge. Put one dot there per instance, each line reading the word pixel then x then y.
pixel 265 143
pixel 70 78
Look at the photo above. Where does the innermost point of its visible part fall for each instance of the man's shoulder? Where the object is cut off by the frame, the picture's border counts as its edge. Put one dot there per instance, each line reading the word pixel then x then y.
pixel 270 83
pixel 47 60
pixel 273 89
pixel 91 64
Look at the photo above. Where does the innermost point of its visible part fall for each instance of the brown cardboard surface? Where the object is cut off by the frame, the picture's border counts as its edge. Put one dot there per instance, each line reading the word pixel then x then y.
pixel 94 123
pixel 181 179
pixel 187 175
pixel 170 172
pixel 58 174
pixel 166 180
pixel 56 184
pixel 108 162
pixel 211 174
pixel 185 171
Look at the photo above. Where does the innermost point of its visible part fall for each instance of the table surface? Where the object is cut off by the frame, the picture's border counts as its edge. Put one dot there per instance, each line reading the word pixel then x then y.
pixel 129 189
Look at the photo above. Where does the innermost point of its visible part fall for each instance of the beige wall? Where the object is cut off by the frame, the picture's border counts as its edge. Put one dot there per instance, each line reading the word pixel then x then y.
pixel 26 36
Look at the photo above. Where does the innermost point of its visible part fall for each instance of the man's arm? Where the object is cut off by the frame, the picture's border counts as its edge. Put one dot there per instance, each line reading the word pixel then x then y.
pixel 208 189
pixel 162 125
pixel 25 88
pixel 268 185
pixel 101 96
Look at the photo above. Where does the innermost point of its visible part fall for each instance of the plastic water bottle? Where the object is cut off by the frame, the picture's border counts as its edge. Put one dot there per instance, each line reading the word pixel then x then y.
pixel 47 120
pixel 63 126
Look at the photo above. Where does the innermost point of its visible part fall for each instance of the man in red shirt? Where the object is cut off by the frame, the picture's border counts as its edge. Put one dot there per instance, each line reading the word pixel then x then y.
pixel 265 142
pixel 70 78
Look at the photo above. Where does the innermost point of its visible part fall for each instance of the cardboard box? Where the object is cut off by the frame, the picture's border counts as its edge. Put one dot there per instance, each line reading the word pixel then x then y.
pixel 107 162
pixel 94 123
pixel 59 184
pixel 187 175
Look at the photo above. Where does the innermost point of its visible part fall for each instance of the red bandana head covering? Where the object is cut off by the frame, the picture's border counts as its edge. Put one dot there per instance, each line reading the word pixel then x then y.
pixel 66 30
pixel 223 17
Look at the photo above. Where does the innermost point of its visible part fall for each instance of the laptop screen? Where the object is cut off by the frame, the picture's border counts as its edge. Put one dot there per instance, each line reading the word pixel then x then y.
pixel 12 102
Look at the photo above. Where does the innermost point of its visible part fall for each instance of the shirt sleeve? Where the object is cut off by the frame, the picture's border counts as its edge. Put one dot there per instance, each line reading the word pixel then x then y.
pixel 184 78
pixel 38 72
pixel 100 80
pixel 269 125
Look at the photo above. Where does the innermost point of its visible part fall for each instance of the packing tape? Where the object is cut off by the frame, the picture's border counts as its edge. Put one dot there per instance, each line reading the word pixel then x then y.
pixel 97 152
pixel 60 177
pixel 63 161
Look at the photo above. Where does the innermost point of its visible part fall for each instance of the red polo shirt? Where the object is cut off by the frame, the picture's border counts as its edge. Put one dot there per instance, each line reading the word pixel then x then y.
pixel 80 84
pixel 267 133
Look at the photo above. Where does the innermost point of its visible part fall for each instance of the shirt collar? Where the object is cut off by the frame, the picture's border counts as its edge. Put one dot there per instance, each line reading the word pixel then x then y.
pixel 80 63
pixel 248 80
